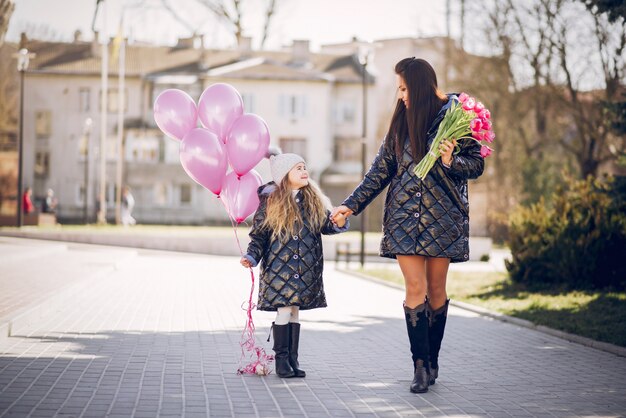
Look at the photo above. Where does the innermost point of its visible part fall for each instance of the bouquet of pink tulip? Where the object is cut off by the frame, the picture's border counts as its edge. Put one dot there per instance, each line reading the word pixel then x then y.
pixel 467 119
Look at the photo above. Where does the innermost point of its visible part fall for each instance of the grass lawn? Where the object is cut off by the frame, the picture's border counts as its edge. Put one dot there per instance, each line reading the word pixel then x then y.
pixel 593 314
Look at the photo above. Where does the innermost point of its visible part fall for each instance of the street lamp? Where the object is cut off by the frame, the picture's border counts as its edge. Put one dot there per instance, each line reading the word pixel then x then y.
pixel 23 59
pixel 87 136
pixel 364 53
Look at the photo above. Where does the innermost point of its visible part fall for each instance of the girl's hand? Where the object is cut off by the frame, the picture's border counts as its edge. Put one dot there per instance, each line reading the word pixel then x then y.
pixel 339 220
pixel 446 148
pixel 343 210
pixel 245 262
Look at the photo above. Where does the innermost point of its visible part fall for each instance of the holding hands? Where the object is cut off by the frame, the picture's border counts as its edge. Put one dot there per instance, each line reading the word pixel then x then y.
pixel 339 215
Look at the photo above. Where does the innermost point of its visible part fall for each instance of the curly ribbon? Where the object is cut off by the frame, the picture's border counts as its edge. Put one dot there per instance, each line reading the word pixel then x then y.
pixel 254 356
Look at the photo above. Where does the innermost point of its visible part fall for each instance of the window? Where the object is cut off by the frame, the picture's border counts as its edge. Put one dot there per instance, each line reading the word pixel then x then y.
pixel 111 190
pixel 345 112
pixel 84 99
pixel 161 195
pixel 83 146
pixel 80 195
pixel 248 102
pixel 185 194
pixel 43 123
pixel 292 106
pixel 8 141
pixel 347 149
pixel 294 145
pixel 142 149
pixel 42 164
pixel 112 100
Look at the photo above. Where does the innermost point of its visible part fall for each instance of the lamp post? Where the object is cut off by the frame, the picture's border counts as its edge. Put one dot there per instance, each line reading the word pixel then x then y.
pixel 365 53
pixel 87 135
pixel 23 59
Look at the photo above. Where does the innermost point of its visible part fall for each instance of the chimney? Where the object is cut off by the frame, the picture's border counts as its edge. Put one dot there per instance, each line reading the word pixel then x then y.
pixel 23 40
pixel 245 46
pixel 96 48
pixel 78 36
pixel 193 42
pixel 300 52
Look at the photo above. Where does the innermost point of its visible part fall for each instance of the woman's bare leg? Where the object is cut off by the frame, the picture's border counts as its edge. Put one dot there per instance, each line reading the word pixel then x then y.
pixel 437 274
pixel 414 271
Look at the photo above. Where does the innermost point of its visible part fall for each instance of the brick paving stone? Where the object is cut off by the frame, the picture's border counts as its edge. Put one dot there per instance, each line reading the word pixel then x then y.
pixel 158 334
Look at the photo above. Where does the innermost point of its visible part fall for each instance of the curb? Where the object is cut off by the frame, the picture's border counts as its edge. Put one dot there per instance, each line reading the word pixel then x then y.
pixel 587 342
pixel 11 324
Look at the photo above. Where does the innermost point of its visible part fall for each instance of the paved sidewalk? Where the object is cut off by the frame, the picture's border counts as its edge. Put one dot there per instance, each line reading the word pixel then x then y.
pixel 156 334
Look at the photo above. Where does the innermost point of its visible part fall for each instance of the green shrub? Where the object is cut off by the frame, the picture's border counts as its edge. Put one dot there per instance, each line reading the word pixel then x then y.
pixel 578 243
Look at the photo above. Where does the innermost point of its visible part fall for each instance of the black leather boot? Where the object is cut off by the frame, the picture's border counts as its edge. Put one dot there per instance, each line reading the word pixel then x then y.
pixel 417 328
pixel 436 328
pixel 281 350
pixel 294 342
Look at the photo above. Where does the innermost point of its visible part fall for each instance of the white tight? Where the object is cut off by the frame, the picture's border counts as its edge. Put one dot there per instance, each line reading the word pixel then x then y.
pixel 287 314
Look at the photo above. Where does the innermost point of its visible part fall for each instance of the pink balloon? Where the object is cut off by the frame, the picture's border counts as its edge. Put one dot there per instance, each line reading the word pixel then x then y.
pixel 175 113
pixel 204 159
pixel 240 194
pixel 247 144
pixel 219 106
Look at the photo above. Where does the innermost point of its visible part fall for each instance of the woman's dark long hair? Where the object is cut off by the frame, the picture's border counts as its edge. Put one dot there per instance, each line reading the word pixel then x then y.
pixel 425 101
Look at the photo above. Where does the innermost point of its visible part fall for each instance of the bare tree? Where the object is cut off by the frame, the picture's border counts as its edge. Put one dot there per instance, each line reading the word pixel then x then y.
pixel 228 12
pixel 545 42
pixel 6 10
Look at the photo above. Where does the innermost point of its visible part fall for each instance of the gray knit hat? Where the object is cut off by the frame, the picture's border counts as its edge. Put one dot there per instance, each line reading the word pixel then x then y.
pixel 281 164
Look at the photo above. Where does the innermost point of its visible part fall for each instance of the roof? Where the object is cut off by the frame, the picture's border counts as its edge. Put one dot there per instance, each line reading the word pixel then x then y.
pixel 83 58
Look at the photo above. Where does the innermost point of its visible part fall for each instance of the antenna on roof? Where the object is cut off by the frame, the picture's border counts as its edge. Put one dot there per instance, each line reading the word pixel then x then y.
pixel 95 14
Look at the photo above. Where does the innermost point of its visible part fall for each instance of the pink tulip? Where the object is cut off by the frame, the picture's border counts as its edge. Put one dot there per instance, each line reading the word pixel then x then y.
pixel 485 114
pixel 479 107
pixel 489 136
pixel 463 97
pixel 475 124
pixel 469 104
pixel 479 136
pixel 486 124
pixel 485 151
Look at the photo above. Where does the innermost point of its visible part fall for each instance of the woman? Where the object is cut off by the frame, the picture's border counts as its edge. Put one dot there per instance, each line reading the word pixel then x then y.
pixel 426 223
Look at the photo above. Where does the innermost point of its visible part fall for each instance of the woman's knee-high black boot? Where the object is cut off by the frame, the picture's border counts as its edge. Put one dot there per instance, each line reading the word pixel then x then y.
pixel 281 350
pixel 417 328
pixel 435 335
pixel 294 342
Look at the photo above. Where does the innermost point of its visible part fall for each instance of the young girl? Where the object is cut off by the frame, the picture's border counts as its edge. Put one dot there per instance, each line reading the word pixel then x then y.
pixel 286 239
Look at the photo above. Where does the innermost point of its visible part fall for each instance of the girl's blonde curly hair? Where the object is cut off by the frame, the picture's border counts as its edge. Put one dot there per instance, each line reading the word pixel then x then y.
pixel 283 216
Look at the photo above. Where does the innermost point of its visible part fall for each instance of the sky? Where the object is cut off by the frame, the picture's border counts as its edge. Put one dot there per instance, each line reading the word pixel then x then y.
pixel 320 21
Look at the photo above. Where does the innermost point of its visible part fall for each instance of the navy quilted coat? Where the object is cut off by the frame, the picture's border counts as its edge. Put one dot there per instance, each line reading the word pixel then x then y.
pixel 429 217
pixel 291 272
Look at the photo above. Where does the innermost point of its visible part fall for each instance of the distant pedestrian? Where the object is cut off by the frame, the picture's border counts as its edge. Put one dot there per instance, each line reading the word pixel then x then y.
pixel 286 240
pixel 27 202
pixel 426 222
pixel 128 203
pixel 49 204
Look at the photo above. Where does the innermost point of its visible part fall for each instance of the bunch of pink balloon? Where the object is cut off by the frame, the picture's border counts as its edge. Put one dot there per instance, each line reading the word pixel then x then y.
pixel 228 135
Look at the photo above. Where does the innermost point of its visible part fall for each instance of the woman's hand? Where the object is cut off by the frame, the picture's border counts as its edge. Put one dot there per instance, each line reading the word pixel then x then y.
pixel 446 148
pixel 245 262
pixel 343 210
